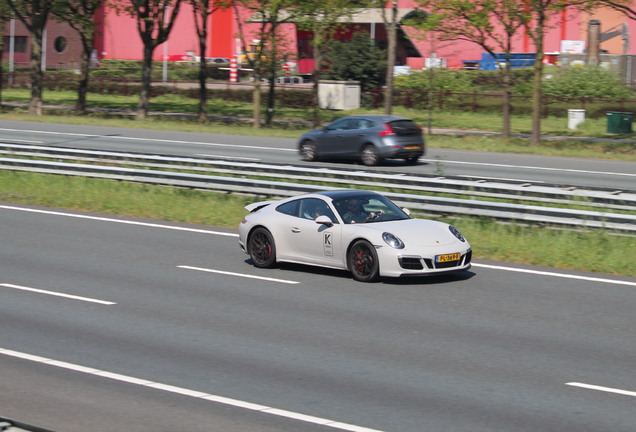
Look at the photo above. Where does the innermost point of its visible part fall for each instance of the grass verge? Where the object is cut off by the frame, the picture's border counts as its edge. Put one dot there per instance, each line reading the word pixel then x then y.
pixel 596 251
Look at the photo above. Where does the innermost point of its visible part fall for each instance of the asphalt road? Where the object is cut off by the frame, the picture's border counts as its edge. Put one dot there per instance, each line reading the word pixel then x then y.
pixel 614 175
pixel 113 324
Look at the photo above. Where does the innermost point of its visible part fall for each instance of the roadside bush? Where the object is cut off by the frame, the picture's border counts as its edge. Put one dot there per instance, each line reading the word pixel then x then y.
pixel 413 87
pixel 441 80
pixel 589 81
pixel 490 81
pixel 117 68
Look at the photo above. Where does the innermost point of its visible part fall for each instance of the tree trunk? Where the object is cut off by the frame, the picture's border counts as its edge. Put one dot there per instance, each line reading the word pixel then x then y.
pixel 35 105
pixel 537 90
pixel 2 10
pixel 146 83
pixel 271 93
pixel 256 99
pixel 507 102
pixel 537 94
pixel 82 89
pixel 316 87
pixel 203 91
pixel 390 62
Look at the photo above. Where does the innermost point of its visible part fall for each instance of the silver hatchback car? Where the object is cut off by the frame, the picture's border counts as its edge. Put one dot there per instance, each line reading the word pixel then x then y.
pixel 369 138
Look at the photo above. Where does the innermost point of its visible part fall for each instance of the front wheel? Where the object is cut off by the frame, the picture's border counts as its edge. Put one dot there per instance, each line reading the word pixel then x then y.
pixel 308 151
pixel 369 155
pixel 261 248
pixel 363 262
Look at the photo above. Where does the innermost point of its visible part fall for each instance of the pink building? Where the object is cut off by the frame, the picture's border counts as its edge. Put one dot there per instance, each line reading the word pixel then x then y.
pixel 119 38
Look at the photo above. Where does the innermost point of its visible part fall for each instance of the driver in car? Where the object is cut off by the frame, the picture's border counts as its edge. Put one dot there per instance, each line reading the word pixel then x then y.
pixel 356 214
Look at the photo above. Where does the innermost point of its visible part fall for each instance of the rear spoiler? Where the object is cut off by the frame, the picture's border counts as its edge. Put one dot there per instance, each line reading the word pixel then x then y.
pixel 257 206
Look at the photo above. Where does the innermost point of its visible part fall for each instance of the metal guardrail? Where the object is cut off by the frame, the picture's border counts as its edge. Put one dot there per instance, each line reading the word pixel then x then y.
pixel 419 203
pixel 509 190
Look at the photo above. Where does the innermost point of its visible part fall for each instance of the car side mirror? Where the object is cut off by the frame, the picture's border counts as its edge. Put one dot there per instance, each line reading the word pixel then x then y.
pixel 323 220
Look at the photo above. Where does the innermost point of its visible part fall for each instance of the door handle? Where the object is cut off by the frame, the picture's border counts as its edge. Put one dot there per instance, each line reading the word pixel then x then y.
pixel 295 230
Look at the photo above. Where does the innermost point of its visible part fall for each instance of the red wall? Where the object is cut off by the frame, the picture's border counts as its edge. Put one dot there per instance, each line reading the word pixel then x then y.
pixel 121 40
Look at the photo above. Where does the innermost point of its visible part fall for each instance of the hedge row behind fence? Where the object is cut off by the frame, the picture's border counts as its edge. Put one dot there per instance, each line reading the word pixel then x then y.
pixel 491 102
pixel 289 97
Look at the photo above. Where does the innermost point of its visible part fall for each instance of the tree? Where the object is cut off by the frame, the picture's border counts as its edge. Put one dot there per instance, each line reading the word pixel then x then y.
pixel 80 15
pixel 34 15
pixel 390 24
pixel 536 15
pixel 323 19
pixel 155 19
pixel 492 24
pixel 4 17
pixel 202 10
pixel 624 6
pixel 357 60
pixel 264 60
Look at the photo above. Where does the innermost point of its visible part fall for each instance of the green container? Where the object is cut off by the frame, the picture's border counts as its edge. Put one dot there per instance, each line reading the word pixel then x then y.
pixel 619 122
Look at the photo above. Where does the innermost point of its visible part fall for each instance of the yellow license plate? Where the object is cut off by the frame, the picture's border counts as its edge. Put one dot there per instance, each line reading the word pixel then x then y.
pixel 447 257
pixel 412 147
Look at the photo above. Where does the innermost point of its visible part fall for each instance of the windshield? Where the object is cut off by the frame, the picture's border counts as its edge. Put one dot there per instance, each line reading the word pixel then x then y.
pixel 368 209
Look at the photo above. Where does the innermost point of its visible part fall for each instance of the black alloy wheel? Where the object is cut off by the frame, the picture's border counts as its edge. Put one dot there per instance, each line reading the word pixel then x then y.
pixel 363 262
pixel 261 248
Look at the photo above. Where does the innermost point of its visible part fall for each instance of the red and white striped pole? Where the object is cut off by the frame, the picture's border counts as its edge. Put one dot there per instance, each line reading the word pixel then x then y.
pixel 233 70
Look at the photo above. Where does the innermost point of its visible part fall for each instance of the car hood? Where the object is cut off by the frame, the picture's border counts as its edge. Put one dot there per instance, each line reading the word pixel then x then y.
pixel 416 232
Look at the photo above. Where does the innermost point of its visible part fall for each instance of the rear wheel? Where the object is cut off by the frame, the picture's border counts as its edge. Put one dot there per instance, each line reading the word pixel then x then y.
pixel 411 160
pixel 369 155
pixel 261 248
pixel 363 262
pixel 308 151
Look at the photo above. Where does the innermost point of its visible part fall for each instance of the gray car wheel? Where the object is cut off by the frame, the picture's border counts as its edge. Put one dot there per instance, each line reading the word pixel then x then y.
pixel 369 155
pixel 308 151
pixel 412 160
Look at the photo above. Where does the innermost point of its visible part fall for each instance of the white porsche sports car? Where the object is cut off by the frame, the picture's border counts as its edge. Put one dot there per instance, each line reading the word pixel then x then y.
pixel 359 231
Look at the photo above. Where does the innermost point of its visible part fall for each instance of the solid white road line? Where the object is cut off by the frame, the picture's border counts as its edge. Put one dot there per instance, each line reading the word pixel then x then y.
pixel 227 157
pixel 561 275
pixel 528 167
pixel 188 392
pixel 237 274
pixel 127 222
pixel 58 294
pixel 152 140
pixel 19 141
pixel 603 389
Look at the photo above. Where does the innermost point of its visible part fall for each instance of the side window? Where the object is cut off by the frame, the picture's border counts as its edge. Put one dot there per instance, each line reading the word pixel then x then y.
pixel 289 208
pixel 366 124
pixel 339 125
pixel 311 208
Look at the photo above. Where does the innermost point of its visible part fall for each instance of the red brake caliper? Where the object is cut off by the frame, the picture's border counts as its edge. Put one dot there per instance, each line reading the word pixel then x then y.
pixel 360 261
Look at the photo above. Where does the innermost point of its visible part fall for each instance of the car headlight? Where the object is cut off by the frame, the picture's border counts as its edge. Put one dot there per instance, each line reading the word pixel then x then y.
pixel 456 233
pixel 392 240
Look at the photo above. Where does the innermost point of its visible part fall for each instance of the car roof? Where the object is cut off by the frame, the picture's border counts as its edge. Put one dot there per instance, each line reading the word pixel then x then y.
pixel 349 193
pixel 382 117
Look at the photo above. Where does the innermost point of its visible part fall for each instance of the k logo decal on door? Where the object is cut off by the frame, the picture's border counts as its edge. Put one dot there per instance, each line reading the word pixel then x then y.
pixel 328 247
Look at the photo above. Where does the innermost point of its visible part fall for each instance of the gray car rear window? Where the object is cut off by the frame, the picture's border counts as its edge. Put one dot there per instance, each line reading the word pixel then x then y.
pixel 405 127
